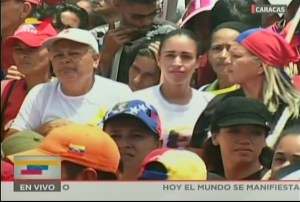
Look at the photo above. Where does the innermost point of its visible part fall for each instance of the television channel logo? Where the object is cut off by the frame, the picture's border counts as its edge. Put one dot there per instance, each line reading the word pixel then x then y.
pixel 37 173
pixel 267 9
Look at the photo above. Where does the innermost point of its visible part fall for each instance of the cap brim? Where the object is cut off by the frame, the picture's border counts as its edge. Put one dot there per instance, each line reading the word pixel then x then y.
pixel 28 39
pixel 33 152
pixel 49 42
pixel 129 115
pixel 242 121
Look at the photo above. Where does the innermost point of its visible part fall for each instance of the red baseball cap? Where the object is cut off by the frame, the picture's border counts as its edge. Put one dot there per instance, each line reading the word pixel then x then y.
pixel 33 33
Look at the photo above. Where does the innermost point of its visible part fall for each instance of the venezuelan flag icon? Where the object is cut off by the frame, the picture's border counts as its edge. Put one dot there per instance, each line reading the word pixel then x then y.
pixel 37 167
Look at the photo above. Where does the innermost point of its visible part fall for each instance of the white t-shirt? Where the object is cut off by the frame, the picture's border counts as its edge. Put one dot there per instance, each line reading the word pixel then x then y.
pixel 46 102
pixel 180 118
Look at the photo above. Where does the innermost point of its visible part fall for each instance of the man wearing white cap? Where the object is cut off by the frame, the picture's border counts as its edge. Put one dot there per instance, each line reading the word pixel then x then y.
pixel 77 95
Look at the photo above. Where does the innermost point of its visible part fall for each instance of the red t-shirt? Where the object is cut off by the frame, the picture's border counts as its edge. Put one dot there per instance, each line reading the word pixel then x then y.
pixel 14 101
pixel 205 73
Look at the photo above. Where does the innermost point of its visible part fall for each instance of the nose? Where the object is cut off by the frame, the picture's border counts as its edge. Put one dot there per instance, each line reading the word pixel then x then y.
pixel 224 55
pixel 177 61
pixel 137 79
pixel 243 138
pixel 66 59
pixel 136 82
pixel 146 21
pixel 24 54
pixel 123 144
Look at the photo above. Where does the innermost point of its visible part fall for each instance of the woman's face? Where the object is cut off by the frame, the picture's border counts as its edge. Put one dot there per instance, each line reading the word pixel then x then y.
pixel 178 60
pixel 30 60
pixel 219 56
pixel 287 152
pixel 70 19
pixel 245 66
pixel 240 144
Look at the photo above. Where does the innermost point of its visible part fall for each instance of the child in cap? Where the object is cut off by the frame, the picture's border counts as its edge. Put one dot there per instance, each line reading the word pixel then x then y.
pixel 87 152
pixel 32 61
pixel 239 128
pixel 173 164
pixel 135 127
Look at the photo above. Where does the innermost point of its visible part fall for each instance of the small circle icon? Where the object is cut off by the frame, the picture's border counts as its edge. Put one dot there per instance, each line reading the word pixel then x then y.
pixel 66 187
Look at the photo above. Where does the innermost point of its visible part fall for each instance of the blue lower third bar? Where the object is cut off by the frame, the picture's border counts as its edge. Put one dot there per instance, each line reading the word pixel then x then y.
pixel 37 167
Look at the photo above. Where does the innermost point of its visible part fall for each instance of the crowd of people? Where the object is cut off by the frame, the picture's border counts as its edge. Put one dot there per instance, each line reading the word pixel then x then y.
pixel 121 92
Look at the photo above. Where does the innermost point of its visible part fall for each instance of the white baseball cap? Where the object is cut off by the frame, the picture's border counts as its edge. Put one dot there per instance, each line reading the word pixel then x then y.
pixel 77 35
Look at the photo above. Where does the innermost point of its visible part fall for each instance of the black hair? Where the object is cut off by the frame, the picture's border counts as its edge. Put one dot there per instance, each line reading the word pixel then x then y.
pixel 292 130
pixel 235 10
pixel 181 32
pixel 47 12
pixel 234 25
pixel 146 52
pixel 79 12
pixel 75 169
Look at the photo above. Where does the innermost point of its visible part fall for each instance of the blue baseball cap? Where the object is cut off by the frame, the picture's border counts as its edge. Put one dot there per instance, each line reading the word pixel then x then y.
pixel 140 110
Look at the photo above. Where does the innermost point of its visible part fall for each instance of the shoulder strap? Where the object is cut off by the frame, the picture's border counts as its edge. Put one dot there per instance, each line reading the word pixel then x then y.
pixel 271 140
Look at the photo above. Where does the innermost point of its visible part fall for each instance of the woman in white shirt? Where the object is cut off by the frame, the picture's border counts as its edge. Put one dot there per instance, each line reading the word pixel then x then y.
pixel 178 104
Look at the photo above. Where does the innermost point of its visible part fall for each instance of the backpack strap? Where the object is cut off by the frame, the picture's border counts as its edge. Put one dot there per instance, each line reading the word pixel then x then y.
pixel 272 139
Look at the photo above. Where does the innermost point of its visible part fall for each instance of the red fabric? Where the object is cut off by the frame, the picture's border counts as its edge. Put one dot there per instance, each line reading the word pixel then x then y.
pixel 31 34
pixel 269 46
pixel 296 81
pixel 15 100
pixel 205 73
pixel 7 171
pixel 295 42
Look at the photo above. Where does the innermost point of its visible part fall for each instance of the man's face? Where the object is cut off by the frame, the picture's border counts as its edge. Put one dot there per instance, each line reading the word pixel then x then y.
pixel 143 73
pixel 11 14
pixel 138 15
pixel 30 60
pixel 73 62
pixel 133 138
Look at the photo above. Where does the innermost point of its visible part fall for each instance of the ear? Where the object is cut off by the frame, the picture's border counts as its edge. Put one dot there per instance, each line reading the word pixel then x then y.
pixel 215 139
pixel 26 10
pixel 260 70
pixel 158 61
pixel 89 174
pixel 159 144
pixel 198 62
pixel 96 58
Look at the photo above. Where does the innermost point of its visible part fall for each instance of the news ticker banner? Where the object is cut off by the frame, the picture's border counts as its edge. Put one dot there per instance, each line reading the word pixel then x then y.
pixel 38 178
pixel 175 191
